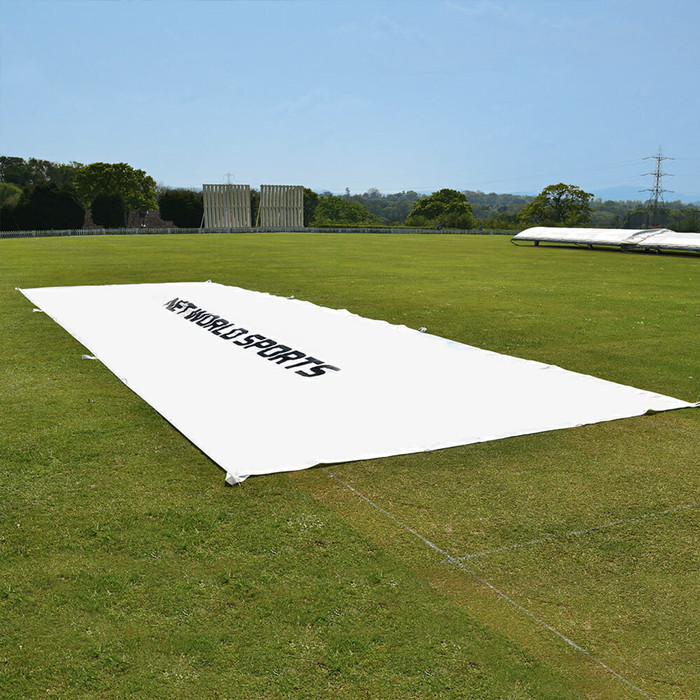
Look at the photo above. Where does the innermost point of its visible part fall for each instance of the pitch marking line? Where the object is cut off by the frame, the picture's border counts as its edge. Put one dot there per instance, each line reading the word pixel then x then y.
pixel 552 538
pixel 474 575
pixel 673 427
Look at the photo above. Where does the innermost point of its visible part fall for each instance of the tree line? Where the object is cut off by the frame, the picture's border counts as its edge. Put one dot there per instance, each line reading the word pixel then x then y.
pixel 39 194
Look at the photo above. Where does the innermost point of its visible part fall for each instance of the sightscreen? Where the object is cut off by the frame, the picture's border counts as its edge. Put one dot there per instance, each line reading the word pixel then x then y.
pixel 281 206
pixel 226 206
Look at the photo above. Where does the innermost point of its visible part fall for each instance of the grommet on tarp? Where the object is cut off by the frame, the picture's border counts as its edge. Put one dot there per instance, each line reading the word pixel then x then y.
pixel 423 329
pixel 88 357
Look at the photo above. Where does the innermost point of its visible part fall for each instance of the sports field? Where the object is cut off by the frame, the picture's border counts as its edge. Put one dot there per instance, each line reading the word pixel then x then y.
pixel 557 565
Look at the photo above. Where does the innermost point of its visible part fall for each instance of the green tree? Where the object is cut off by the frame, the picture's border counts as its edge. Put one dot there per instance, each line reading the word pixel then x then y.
pixel 685 220
pixel 643 217
pixel 108 210
pixel 558 205
pixel 445 207
pixel 390 208
pixel 46 207
pixel 500 221
pixel 184 208
pixel 310 204
pixel 338 211
pixel 10 196
pixel 37 172
pixel 135 187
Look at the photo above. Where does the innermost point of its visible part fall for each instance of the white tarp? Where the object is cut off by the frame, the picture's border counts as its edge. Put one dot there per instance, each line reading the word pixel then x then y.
pixel 665 239
pixel 264 384
pixel 582 236
pixel 642 239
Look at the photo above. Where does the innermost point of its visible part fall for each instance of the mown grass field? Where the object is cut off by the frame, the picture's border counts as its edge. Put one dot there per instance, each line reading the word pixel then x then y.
pixel 128 569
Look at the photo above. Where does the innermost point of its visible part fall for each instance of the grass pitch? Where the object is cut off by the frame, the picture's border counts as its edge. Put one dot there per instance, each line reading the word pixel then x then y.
pixel 127 569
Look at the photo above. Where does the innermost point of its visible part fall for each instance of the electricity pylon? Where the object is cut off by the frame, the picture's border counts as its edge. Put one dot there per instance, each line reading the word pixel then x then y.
pixel 656 199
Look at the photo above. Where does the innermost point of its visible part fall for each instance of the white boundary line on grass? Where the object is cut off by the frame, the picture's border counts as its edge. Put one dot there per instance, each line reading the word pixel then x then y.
pixel 474 575
pixel 552 538
pixel 672 427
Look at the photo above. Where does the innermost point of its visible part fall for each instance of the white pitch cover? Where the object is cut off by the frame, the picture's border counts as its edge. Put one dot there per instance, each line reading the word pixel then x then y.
pixel 264 384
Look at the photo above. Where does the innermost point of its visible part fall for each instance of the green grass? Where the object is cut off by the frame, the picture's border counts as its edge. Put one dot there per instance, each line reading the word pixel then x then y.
pixel 127 569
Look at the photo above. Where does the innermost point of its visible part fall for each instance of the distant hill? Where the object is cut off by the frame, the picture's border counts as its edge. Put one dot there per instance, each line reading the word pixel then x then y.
pixel 626 193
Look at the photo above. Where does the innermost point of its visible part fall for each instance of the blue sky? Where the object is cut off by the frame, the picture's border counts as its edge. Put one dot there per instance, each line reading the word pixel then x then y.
pixel 492 95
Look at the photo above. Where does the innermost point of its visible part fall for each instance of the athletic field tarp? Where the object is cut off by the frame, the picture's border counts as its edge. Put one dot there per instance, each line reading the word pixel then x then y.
pixel 264 384
pixel 629 239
